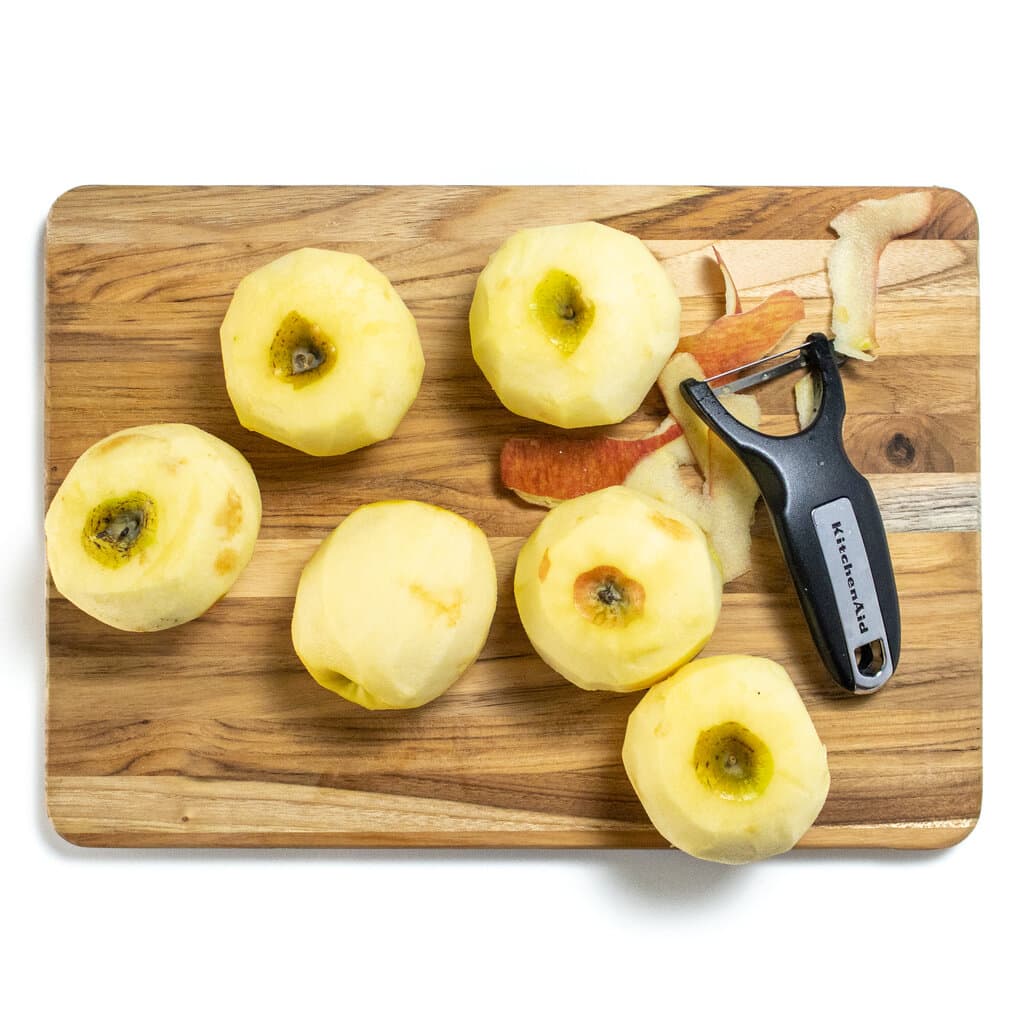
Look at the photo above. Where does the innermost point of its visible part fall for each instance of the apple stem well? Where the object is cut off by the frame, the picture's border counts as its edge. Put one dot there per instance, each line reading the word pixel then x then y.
pixel 733 762
pixel 115 529
pixel 563 310
pixel 300 352
pixel 607 597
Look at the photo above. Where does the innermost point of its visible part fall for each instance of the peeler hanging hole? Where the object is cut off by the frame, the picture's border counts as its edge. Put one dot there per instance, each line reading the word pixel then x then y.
pixel 870 658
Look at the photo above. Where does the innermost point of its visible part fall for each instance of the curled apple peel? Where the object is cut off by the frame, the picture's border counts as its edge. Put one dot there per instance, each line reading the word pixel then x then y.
pixel 806 401
pixel 730 493
pixel 864 230
pixel 548 471
pixel 545 471
pixel 737 337
pixel 658 475
pixel 732 295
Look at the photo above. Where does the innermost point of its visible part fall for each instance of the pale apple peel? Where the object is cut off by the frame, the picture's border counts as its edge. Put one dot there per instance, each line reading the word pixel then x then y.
pixel 732 295
pixel 733 493
pixel 806 397
pixel 682 366
pixel 540 500
pixel 729 490
pixel 864 230
pixel 658 475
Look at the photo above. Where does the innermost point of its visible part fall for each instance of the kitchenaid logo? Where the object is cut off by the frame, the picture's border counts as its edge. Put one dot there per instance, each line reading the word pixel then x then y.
pixel 839 536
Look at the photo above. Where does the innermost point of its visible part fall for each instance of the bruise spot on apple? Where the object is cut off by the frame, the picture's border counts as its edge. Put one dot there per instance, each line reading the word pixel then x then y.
pixel 231 515
pixel 113 443
pixel 452 611
pixel 545 566
pixel 673 527
pixel 607 597
pixel 226 561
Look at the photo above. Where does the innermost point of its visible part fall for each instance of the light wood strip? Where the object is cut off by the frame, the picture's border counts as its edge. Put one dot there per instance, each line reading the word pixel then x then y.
pixel 185 812
pixel 428 271
pixel 927 561
pixel 929 501
pixel 256 215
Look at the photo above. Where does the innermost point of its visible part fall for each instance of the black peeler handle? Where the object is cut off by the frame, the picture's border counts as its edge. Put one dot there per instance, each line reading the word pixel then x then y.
pixel 827 523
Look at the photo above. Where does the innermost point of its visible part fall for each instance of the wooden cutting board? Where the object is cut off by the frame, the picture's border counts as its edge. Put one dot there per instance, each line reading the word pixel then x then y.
pixel 212 734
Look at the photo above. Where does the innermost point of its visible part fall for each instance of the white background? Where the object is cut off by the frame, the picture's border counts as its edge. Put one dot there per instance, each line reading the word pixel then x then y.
pixel 797 94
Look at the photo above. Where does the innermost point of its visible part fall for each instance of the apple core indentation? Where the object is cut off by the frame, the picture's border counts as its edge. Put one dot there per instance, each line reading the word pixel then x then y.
pixel 564 312
pixel 606 596
pixel 119 528
pixel 733 762
pixel 301 352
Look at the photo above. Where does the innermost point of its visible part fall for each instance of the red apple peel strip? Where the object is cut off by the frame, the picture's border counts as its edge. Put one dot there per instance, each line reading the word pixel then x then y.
pixel 735 340
pixel 544 471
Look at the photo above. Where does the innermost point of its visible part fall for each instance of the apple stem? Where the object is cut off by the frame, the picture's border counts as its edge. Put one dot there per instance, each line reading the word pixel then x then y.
pixel 306 358
pixel 123 529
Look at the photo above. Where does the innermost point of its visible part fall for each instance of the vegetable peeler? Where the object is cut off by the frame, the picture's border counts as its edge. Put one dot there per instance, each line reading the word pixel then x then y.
pixel 824 515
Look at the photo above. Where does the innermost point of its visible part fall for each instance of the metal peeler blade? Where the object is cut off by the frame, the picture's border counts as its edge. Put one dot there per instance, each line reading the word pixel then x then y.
pixel 751 379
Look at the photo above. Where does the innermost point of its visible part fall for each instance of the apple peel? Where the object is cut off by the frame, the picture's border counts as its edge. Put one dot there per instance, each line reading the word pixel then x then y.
pixel 806 401
pixel 657 475
pixel 735 340
pixel 680 367
pixel 737 337
pixel 864 230
pixel 733 493
pixel 730 493
pixel 732 295
pixel 545 471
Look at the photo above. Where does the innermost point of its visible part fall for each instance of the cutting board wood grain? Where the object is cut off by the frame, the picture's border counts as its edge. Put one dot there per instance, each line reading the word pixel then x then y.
pixel 212 734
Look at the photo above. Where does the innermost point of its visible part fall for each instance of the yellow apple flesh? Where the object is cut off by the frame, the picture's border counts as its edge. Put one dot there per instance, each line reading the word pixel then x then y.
pixel 152 525
pixel 395 604
pixel 320 353
pixel 726 760
pixel 616 589
pixel 571 323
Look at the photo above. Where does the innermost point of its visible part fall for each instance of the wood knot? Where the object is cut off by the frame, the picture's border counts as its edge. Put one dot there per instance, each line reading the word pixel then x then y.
pixel 900 450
